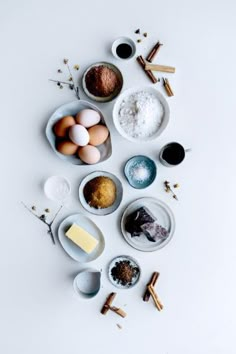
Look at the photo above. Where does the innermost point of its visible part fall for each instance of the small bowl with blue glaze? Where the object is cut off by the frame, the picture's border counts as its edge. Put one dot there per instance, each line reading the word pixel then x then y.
pixel 140 171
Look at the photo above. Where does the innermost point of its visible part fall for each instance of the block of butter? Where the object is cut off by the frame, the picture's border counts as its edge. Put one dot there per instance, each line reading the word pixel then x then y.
pixel 82 238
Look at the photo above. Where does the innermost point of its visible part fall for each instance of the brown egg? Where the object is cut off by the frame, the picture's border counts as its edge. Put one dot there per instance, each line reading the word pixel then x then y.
pixel 98 134
pixel 89 154
pixel 66 147
pixel 61 127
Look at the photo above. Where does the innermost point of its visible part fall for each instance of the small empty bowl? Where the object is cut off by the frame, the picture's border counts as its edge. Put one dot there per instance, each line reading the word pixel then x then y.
pixel 140 171
pixel 87 283
pixel 57 188
pixel 123 48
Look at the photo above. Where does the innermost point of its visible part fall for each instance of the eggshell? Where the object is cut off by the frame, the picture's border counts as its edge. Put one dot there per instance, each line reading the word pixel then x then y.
pixel 62 125
pixel 79 135
pixel 89 154
pixel 98 134
pixel 88 118
pixel 66 147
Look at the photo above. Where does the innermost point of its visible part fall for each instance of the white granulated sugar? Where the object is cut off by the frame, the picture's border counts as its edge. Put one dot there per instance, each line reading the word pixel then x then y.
pixel 140 114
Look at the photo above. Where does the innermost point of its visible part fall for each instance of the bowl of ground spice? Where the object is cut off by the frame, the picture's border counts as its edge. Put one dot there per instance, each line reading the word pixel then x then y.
pixel 124 272
pixel 102 82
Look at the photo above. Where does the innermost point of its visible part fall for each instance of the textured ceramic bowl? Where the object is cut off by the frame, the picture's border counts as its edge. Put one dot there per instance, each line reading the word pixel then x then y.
pixel 133 164
pixel 132 262
pixel 87 283
pixel 114 94
pixel 124 96
pixel 73 108
pixel 102 211
pixel 123 40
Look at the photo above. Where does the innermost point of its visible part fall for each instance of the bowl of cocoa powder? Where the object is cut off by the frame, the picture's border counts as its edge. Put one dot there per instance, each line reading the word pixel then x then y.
pixel 102 82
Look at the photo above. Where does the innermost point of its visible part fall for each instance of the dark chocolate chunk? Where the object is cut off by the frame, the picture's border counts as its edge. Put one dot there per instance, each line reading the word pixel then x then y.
pixel 154 231
pixel 135 220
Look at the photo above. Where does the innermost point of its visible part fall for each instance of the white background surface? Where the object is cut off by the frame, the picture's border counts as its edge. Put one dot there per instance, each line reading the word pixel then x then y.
pixel 39 311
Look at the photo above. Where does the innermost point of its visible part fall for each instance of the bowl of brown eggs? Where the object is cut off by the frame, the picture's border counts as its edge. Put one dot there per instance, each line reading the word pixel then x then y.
pixel 78 134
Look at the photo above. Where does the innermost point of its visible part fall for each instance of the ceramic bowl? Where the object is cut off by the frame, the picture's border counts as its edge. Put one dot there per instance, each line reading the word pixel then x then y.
pixel 57 188
pixel 140 162
pixel 87 283
pixel 124 96
pixel 123 40
pixel 103 211
pixel 73 108
pixel 114 94
pixel 133 263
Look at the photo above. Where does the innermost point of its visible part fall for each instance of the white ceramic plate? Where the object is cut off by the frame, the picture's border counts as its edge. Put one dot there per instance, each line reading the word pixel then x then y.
pixel 114 94
pixel 119 193
pixel 71 248
pixel 133 263
pixel 164 216
pixel 73 108
pixel 158 95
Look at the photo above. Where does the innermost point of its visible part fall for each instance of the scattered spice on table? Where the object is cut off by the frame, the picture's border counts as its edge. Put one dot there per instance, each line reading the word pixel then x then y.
pixel 123 272
pixel 71 83
pixel 168 189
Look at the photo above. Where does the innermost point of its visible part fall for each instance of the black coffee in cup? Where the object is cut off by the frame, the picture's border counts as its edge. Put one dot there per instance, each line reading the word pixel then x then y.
pixel 172 154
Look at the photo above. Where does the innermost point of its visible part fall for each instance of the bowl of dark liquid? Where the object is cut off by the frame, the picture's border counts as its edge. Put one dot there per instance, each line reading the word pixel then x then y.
pixel 172 154
pixel 123 48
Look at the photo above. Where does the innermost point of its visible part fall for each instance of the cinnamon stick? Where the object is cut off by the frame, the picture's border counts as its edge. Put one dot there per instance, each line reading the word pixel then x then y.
pixel 168 87
pixel 162 68
pixel 154 52
pixel 142 63
pixel 118 311
pixel 106 307
pixel 152 282
pixel 156 300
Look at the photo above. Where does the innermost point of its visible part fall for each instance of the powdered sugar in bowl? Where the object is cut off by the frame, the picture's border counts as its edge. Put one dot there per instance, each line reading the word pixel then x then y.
pixel 141 114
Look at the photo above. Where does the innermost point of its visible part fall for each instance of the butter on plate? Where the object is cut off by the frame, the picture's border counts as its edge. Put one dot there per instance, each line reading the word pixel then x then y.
pixel 82 238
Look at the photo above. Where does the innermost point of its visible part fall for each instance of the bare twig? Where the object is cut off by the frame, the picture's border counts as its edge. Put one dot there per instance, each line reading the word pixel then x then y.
pixel 43 219
pixel 60 82
pixel 76 88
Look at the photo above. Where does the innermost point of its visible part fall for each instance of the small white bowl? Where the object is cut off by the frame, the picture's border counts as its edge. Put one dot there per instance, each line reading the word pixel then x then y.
pixel 165 118
pixel 87 283
pixel 57 188
pixel 123 40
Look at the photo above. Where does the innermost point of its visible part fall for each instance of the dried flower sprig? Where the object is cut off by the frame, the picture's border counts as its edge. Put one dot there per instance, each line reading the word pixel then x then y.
pixel 169 189
pixel 44 220
pixel 71 84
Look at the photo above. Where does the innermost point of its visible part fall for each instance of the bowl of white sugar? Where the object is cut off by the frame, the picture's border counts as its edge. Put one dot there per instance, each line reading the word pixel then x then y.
pixel 141 114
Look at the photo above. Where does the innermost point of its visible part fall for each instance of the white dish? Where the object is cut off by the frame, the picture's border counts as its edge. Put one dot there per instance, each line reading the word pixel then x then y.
pixel 158 95
pixel 123 40
pixel 87 283
pixel 114 94
pixel 71 248
pixel 164 216
pixel 119 193
pixel 57 188
pixel 73 108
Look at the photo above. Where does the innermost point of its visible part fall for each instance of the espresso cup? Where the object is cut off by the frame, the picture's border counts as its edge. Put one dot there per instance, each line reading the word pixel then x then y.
pixel 172 154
